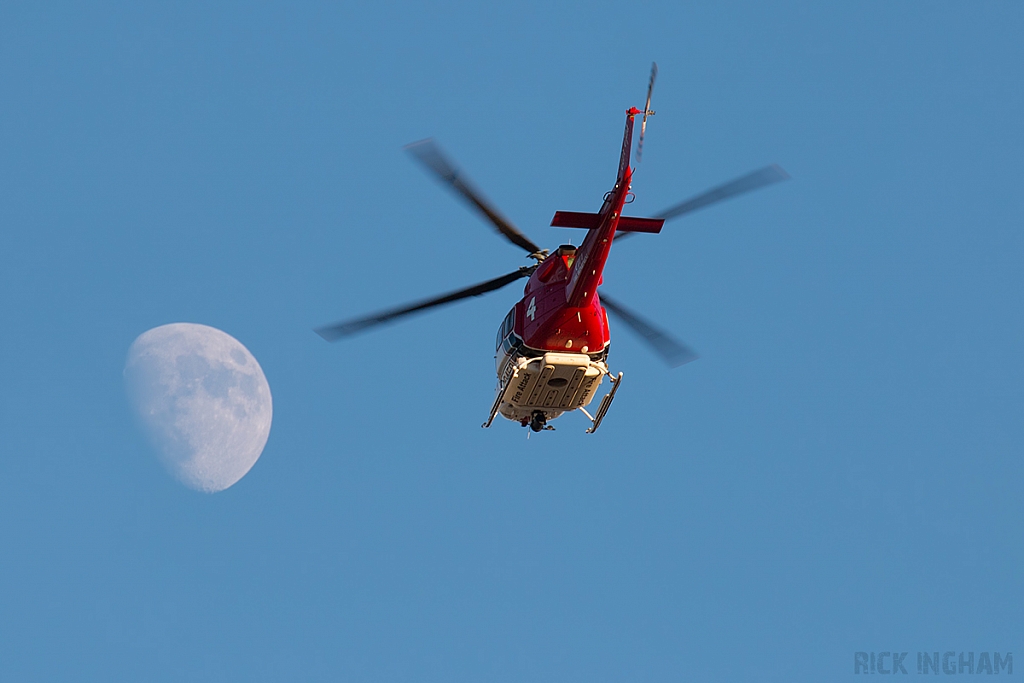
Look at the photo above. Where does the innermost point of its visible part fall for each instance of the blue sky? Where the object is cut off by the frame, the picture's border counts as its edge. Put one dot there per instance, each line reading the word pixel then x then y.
pixel 839 472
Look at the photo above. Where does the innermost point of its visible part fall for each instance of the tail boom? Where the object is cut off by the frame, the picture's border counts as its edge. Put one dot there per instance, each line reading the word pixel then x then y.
pixel 588 265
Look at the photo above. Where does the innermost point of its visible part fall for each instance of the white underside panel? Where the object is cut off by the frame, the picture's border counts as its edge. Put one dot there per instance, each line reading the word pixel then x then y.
pixel 553 383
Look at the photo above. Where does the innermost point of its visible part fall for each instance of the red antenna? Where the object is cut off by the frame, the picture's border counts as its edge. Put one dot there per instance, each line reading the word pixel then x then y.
pixel 647 112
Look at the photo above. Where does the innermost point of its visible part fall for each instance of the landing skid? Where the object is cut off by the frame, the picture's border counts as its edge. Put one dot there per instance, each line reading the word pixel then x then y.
pixel 494 408
pixel 606 403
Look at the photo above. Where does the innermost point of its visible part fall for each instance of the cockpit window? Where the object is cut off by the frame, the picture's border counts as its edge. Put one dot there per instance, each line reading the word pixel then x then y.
pixel 507 325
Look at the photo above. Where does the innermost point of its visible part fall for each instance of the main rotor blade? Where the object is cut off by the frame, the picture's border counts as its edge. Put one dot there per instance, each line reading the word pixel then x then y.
pixel 752 181
pixel 349 327
pixel 430 155
pixel 675 353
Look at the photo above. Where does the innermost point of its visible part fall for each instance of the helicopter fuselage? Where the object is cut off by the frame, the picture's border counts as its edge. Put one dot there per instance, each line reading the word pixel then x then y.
pixel 552 347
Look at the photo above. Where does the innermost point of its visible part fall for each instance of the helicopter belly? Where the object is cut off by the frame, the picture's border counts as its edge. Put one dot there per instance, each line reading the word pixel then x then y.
pixel 553 383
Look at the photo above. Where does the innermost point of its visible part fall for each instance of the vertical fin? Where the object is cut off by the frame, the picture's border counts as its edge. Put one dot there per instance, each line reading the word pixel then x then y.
pixel 627 143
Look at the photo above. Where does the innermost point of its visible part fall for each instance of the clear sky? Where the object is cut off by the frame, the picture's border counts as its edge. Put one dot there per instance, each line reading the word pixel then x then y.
pixel 839 472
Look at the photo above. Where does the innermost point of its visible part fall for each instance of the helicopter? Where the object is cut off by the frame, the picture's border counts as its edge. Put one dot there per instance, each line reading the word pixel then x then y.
pixel 551 351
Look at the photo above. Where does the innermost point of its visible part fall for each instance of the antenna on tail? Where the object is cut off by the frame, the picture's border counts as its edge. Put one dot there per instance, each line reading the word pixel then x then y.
pixel 647 112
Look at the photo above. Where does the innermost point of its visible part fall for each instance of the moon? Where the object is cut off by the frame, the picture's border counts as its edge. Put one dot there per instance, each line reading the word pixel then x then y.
pixel 202 400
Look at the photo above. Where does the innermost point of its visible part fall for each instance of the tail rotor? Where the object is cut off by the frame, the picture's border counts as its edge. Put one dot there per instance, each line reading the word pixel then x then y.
pixel 647 112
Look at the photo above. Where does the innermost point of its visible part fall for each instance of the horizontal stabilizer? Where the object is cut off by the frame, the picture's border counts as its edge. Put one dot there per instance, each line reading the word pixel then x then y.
pixel 575 219
pixel 630 224
pixel 589 221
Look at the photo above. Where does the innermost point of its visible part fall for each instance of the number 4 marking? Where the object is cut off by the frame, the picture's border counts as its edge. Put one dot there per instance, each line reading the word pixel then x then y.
pixel 531 310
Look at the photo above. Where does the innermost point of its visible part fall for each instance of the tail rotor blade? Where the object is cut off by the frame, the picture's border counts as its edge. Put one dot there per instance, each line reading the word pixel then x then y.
pixel 647 112
pixel 349 327
pixel 429 154
pixel 674 353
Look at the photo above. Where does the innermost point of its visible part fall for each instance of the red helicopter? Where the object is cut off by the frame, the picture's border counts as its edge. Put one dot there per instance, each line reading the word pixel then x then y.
pixel 552 347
